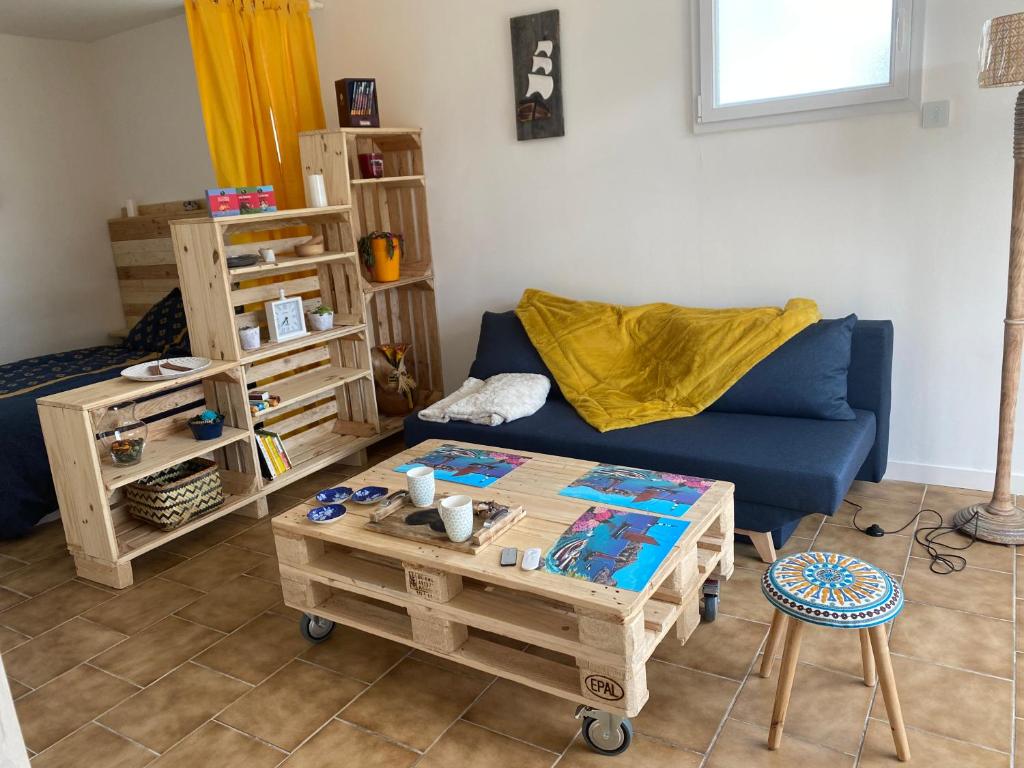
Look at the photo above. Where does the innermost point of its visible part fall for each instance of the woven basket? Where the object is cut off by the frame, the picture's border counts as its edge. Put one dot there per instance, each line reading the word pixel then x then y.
pixel 174 496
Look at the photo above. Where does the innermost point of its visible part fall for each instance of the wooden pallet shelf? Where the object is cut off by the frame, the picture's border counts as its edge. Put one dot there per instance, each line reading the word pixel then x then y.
pixel 392 181
pixel 404 280
pixel 311 339
pixel 288 263
pixel 305 386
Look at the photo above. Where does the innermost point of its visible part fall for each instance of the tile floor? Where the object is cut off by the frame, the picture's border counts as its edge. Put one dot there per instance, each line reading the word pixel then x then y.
pixel 200 664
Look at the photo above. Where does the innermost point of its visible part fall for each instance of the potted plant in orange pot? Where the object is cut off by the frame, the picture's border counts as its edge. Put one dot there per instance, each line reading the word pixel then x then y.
pixel 381 253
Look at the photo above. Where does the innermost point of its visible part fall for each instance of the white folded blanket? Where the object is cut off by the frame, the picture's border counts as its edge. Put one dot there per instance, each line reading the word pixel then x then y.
pixel 501 398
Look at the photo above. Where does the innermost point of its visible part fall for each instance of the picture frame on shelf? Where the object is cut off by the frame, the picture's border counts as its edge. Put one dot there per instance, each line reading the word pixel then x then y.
pixel 286 318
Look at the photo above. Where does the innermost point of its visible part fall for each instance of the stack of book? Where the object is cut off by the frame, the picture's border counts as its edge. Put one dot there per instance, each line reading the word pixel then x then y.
pixel 273 457
pixel 261 401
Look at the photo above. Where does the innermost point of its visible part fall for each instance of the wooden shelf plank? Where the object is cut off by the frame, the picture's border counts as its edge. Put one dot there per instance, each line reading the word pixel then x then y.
pixel 371 287
pixel 287 263
pixel 392 181
pixel 307 385
pixel 272 216
pixel 314 337
pixel 164 452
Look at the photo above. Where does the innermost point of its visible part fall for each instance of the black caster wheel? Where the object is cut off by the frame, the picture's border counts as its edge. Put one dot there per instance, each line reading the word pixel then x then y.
pixel 710 612
pixel 315 629
pixel 614 743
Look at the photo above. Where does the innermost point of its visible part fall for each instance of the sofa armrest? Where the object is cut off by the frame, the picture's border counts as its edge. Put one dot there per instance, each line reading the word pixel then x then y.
pixel 869 387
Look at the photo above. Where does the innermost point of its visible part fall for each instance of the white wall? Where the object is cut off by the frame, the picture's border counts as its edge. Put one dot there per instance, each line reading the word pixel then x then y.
pixel 58 288
pixel 870 215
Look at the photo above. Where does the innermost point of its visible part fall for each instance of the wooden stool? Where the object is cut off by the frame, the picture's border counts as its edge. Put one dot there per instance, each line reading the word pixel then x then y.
pixel 832 590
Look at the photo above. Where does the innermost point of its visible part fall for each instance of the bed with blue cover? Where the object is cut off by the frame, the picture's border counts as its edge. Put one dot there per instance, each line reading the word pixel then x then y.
pixel 26 486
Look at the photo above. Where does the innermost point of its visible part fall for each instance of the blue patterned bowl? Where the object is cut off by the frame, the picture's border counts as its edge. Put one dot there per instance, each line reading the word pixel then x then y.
pixel 334 495
pixel 369 495
pixel 326 514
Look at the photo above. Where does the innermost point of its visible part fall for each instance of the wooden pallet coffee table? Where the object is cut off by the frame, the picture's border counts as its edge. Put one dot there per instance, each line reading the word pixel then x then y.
pixel 445 602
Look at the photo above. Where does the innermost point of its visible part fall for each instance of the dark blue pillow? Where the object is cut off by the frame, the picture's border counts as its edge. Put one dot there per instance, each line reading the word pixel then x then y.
pixel 504 347
pixel 805 377
pixel 162 329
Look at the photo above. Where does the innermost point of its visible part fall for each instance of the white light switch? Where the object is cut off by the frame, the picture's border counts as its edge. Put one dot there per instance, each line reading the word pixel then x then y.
pixel 935 114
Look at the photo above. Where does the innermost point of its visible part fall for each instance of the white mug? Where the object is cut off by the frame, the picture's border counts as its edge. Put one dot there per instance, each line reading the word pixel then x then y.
pixel 268 255
pixel 457 514
pixel 421 486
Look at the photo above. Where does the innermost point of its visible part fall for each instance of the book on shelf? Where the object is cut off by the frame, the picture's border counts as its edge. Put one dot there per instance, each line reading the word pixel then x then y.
pixel 273 456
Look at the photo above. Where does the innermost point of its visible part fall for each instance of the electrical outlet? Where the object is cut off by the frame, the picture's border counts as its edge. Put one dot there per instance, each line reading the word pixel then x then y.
pixel 935 114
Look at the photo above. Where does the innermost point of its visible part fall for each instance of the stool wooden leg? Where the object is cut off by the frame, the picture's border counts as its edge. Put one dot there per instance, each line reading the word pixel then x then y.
pixel 867 659
pixel 790 656
pixel 771 647
pixel 880 645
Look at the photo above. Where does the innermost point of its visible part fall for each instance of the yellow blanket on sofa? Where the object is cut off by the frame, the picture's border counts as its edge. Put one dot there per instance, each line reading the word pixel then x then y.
pixel 624 366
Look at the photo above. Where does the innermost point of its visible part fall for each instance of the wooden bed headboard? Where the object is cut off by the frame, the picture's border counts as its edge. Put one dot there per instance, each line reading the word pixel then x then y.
pixel 144 256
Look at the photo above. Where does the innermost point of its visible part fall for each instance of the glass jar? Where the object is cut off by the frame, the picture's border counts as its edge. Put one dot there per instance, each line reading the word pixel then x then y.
pixel 122 435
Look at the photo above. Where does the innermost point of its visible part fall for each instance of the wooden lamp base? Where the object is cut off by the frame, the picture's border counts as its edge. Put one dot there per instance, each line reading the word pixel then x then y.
pixel 997 527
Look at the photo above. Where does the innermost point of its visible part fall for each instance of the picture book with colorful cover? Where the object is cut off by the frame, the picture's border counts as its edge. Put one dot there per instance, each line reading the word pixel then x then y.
pixel 614 548
pixel 467 466
pixel 661 492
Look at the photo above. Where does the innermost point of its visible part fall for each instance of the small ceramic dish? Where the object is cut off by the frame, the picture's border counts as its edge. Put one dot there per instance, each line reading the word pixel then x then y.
pixel 334 495
pixel 325 514
pixel 371 494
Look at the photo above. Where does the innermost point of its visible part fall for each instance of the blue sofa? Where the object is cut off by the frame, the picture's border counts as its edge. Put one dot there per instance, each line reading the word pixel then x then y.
pixel 784 468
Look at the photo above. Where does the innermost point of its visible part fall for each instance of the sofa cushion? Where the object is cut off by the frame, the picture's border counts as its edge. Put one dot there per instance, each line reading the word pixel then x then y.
pixel 804 378
pixel 504 347
pixel 799 464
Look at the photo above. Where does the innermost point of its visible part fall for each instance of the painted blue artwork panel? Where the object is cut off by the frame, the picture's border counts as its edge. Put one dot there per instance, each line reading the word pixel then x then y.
pixel 467 466
pixel 662 492
pixel 614 548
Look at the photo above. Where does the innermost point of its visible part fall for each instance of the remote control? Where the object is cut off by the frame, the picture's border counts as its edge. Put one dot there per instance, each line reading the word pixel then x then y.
pixel 509 556
pixel 531 559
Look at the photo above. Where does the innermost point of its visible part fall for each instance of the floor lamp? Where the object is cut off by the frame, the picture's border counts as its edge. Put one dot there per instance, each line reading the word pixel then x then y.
pixel 1002 63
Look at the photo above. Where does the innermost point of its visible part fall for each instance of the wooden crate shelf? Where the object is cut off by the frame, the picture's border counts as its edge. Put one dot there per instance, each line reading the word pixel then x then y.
pixel 392 181
pixel 303 386
pixel 405 279
pixel 313 338
pixel 288 263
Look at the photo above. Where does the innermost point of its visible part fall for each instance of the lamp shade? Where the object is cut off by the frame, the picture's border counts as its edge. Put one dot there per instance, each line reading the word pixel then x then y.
pixel 1002 51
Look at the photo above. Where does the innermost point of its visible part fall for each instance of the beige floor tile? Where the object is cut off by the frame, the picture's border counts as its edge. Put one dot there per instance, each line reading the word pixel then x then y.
pixel 643 753
pixel 977 643
pixel 741 596
pixel 318 481
pixel 9 565
pixel 174 706
pixel 925 692
pixel 10 639
pixel 925 749
pixel 95 746
pixel 432 698
pixel 44 541
pixel 889 490
pixel 213 567
pixel 808 527
pixel 218 745
pixel 61 706
pixel 1020 624
pixel 743 744
pixel 134 610
pixel 467 745
pixel 973 589
pixel 826 707
pixel 156 650
pixel 456 667
pixel 887 552
pixel 724 647
pixel 257 650
pixel 232 604
pixel 355 654
pixel 685 707
pixel 211 534
pixel 1019 682
pixel 280 502
pixel 747 557
pixel 35 616
pixel 153 563
pixel 360 748
pixel 526 714
pixel 891 514
pixel 9 598
pixel 268 570
pixel 287 707
pixel 828 647
pixel 55 652
pixel 42 575
pixel 947 502
pixel 258 538
pixel 17 689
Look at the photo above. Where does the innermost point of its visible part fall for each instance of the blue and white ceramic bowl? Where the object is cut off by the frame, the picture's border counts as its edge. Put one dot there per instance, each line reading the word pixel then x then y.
pixel 371 494
pixel 326 514
pixel 334 495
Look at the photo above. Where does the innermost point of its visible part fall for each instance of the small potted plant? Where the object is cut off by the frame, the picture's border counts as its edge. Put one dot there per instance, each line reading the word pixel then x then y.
pixel 381 253
pixel 249 336
pixel 208 425
pixel 321 318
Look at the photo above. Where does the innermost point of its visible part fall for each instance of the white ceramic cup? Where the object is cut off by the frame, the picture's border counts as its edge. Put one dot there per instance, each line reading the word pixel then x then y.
pixel 421 486
pixel 457 514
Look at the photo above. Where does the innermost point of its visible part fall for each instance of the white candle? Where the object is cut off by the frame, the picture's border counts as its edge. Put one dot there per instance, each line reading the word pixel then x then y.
pixel 129 208
pixel 316 191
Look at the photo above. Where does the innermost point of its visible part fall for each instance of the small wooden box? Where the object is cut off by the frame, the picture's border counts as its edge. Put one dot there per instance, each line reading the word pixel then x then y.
pixel 357 102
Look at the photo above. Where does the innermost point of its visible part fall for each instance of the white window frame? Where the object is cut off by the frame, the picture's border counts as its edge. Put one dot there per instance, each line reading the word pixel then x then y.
pixel 902 93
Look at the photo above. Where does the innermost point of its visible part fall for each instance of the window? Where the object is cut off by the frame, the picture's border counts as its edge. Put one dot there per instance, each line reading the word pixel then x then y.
pixel 762 62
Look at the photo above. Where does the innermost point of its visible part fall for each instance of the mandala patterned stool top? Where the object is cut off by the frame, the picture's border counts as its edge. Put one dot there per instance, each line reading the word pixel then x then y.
pixel 832 589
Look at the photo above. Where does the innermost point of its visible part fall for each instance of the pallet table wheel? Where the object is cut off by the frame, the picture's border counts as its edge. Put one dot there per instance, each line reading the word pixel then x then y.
pixel 711 593
pixel 605 733
pixel 314 628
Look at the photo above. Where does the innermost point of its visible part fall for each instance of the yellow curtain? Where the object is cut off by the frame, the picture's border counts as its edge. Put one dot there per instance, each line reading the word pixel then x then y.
pixel 259 86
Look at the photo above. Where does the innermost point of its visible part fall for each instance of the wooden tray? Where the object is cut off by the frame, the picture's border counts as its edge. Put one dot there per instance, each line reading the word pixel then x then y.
pixel 393 523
